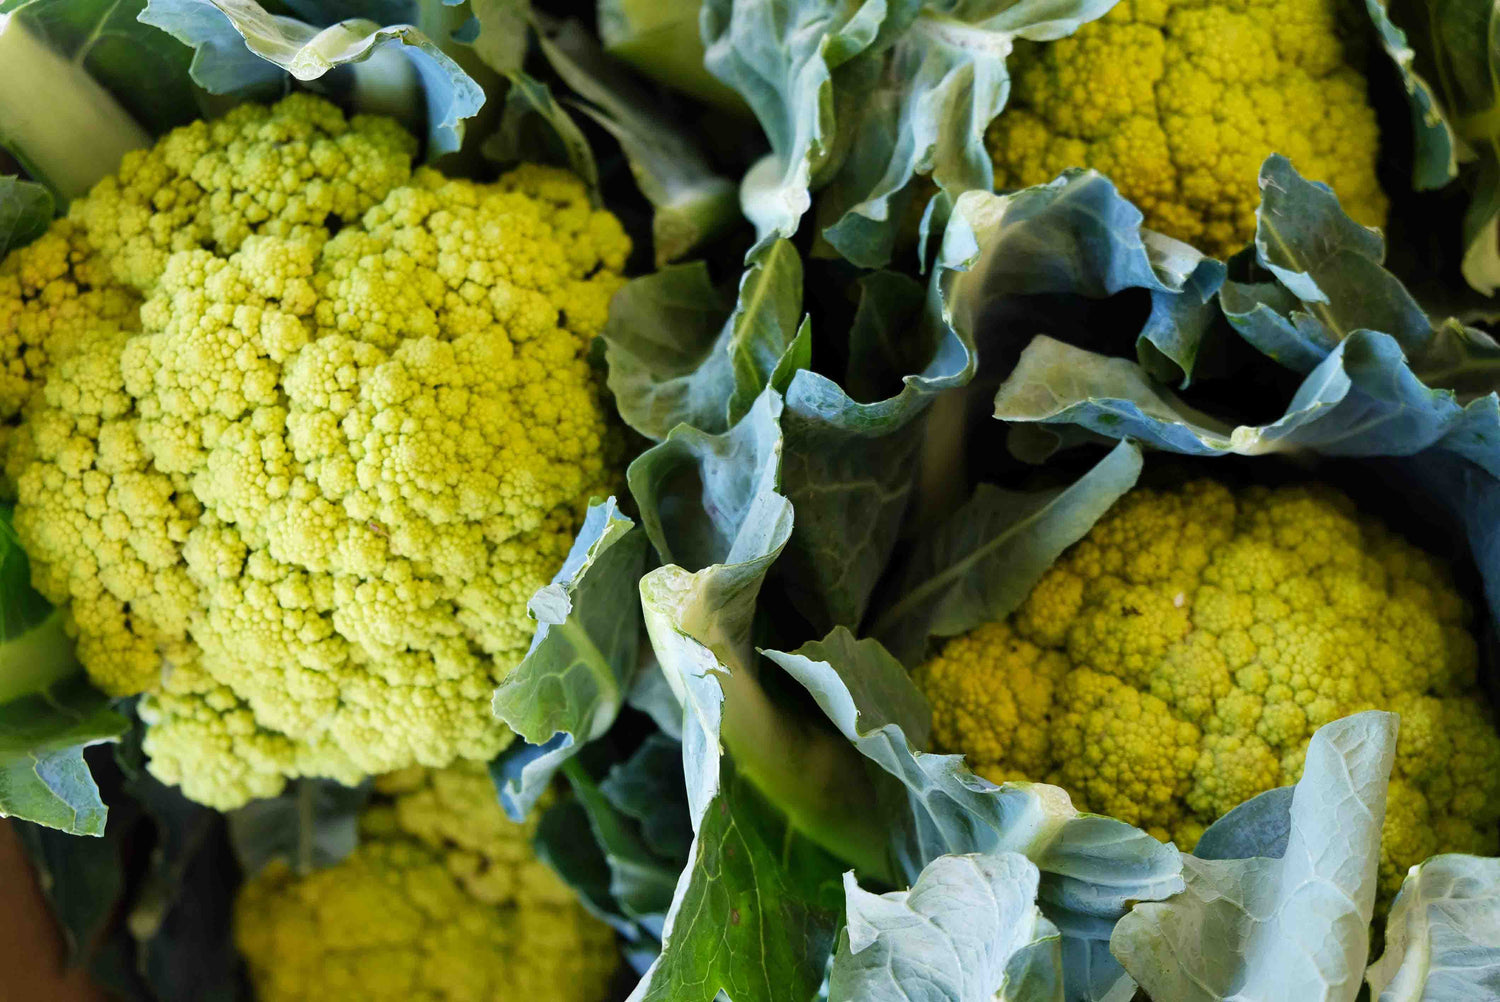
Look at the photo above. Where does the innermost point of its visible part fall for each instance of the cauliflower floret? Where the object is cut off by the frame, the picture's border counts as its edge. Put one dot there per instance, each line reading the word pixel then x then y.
pixel 314 422
pixel 990 713
pixel 1204 636
pixel 1179 102
pixel 444 901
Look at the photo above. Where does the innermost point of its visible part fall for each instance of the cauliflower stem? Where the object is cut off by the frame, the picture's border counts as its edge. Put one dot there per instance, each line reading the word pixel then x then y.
pixel 77 134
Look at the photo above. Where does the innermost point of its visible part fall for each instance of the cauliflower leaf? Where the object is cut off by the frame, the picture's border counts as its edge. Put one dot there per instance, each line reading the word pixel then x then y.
pixel 1442 940
pixel 968 929
pixel 1293 927
pixel 569 688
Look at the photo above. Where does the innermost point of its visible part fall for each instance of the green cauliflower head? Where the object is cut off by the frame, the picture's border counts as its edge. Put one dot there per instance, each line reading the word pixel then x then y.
pixel 1176 661
pixel 1179 102
pixel 444 900
pixel 296 432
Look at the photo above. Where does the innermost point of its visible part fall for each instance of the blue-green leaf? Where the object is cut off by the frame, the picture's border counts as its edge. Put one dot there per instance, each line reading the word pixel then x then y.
pixel 968 929
pixel 572 683
pixel 982 562
pixel 691 203
pixel 1442 938
pixel 1289 928
pixel 1093 868
pixel 313 825
pixel 43 777
pixel 382 58
pixel 25 212
pixel 943 80
pixel 674 358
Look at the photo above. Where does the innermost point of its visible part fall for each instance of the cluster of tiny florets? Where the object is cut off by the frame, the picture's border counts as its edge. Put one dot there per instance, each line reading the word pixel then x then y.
pixel 444 900
pixel 1179 102
pixel 296 431
pixel 1176 661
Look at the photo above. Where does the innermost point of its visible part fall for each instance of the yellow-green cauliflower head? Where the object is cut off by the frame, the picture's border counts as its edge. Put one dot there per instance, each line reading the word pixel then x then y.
pixel 301 431
pixel 1176 661
pixel 1179 102
pixel 443 901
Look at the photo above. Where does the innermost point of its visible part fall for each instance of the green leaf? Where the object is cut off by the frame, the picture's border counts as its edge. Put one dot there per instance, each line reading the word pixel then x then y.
pixel 311 826
pixel 79 133
pixel 141 68
pixel 1442 939
pixel 1077 236
pixel 980 565
pixel 784 57
pixel 968 929
pixel 641 880
pixel 25 212
pixel 43 777
pixel 942 82
pixel 397 57
pixel 1447 54
pixel 1288 928
pixel 764 783
pixel 84 881
pixel 755 911
pixel 1093 868
pixel 674 358
pixel 535 128
pixel 648 787
pixel 503 33
pixel 660 39
pixel 1330 265
pixel 569 688
pixel 692 204
pixel 1438 148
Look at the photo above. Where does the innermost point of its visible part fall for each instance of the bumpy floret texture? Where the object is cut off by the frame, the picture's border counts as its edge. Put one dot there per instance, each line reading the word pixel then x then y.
pixel 443 901
pixel 1179 102
pixel 1176 661
pixel 297 431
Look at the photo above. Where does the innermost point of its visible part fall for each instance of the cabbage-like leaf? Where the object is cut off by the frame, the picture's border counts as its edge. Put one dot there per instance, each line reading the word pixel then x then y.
pixel 660 39
pixel 1078 236
pixel 1258 827
pixel 79 133
pixel 1438 148
pixel 1362 400
pixel 1093 868
pixel 800 65
pixel 571 685
pixel 1442 938
pixel 751 914
pixel 141 68
pixel 48 711
pixel 313 825
pixel 692 205
pixel 1289 928
pixel 383 58
pixel 641 879
pixel 1331 267
pixel 1455 44
pixel 674 358
pixel 942 81
pixel 25 212
pixel 983 561
pixel 968 929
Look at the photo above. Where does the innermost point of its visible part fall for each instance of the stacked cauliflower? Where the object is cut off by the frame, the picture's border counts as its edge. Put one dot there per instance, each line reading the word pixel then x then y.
pixel 443 901
pixel 296 431
pixel 1179 102
pixel 1176 661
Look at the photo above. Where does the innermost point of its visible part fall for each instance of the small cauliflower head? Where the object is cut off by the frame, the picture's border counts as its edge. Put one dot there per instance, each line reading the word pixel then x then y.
pixel 1179 101
pixel 1176 661
pixel 443 901
pixel 299 435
